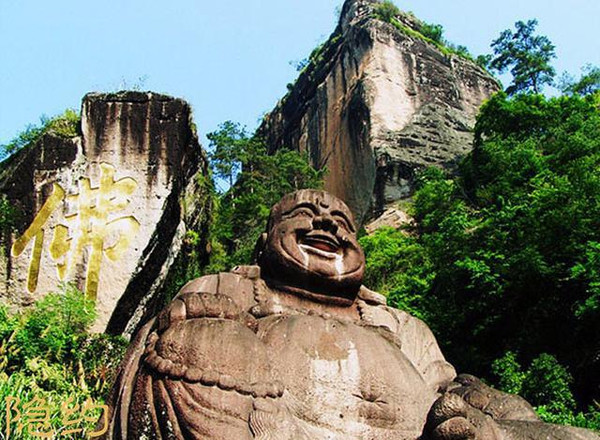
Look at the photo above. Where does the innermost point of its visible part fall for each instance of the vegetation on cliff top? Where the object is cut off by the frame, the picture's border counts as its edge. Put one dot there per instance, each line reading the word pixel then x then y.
pixel 433 34
pixel 65 125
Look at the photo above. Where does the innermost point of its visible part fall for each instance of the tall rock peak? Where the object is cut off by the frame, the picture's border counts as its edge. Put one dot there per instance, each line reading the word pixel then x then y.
pixel 376 103
pixel 353 10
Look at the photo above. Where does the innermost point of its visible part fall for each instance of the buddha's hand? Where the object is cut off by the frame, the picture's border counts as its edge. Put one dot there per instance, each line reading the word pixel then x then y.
pixel 499 405
pixel 452 418
pixel 193 305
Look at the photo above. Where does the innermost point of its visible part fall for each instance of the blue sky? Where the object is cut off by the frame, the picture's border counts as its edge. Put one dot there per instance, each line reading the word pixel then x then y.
pixel 229 59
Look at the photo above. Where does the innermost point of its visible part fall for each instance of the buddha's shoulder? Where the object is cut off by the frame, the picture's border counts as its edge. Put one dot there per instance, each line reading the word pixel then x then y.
pixel 375 311
pixel 238 284
pixel 414 336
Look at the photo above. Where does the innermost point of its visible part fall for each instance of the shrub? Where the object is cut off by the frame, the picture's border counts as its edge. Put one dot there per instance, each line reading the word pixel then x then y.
pixel 386 11
pixel 8 215
pixel 547 386
pixel 547 383
pixel 434 32
pixel 65 125
pixel 508 374
pixel 47 353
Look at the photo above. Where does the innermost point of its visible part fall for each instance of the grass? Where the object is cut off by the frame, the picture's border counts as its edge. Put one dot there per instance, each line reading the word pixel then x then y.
pixel 50 364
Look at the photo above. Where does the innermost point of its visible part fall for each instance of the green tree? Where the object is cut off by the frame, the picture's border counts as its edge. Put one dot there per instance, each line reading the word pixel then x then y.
pixel 508 374
pixel 588 83
pixel 387 11
pixel 436 33
pixel 546 384
pixel 483 60
pixel 588 271
pixel 398 267
pixel 527 55
pixel 227 147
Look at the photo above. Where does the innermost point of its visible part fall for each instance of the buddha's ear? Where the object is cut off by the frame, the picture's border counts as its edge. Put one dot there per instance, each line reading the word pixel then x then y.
pixel 259 247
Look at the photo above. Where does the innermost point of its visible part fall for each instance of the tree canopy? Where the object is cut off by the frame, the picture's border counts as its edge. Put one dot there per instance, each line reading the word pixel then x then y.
pixel 588 83
pixel 527 55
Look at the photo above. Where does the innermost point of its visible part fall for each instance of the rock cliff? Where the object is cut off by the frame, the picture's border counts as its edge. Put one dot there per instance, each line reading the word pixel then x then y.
pixel 108 209
pixel 376 103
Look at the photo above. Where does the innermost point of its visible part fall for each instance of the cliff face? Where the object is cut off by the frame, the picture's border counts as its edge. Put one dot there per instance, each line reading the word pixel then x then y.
pixel 108 209
pixel 376 105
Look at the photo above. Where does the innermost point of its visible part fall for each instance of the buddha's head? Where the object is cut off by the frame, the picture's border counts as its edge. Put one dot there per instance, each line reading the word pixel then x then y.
pixel 310 246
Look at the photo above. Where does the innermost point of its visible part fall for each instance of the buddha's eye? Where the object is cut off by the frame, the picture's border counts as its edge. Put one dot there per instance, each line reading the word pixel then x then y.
pixel 342 222
pixel 302 212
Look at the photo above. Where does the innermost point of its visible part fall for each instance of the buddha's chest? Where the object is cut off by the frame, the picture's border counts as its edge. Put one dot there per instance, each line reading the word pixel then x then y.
pixel 347 378
pixel 329 380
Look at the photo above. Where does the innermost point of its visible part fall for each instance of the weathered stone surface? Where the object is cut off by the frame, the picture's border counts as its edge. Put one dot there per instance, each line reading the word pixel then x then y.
pixel 139 161
pixel 376 106
pixel 297 349
pixel 391 218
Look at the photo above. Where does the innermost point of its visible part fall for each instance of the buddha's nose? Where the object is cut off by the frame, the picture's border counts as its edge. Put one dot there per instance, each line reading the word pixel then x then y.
pixel 325 223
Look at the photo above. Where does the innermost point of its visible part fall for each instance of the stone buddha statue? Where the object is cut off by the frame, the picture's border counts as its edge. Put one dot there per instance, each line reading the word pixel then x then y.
pixel 296 348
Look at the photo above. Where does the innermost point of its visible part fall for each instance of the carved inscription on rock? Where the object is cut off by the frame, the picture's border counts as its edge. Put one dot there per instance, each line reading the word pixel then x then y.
pixel 92 224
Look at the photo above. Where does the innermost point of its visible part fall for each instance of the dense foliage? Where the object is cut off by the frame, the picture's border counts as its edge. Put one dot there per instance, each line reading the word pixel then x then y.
pixel 546 384
pixel 398 267
pixel 509 253
pixel 46 352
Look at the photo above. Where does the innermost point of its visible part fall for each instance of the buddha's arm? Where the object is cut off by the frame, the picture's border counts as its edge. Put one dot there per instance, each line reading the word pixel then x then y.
pixel 192 369
pixel 421 347
pixel 452 418
pixel 414 336
pixel 468 409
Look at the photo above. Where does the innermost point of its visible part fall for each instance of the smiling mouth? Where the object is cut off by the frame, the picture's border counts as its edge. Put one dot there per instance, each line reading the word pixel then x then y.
pixel 321 241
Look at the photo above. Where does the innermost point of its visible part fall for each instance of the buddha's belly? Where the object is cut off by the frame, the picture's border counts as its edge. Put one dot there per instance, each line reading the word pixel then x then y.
pixel 345 381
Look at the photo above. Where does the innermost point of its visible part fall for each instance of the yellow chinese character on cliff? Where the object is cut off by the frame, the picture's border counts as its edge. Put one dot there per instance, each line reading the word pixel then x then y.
pixel 84 231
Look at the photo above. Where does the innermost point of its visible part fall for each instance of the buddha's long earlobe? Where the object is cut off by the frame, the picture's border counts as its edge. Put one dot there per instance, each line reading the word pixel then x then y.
pixel 259 247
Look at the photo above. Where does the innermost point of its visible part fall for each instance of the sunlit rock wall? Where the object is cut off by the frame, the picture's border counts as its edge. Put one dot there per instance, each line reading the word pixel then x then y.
pixel 107 210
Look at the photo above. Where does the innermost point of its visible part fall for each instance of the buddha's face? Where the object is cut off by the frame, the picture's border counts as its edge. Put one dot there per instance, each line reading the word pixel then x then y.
pixel 311 240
